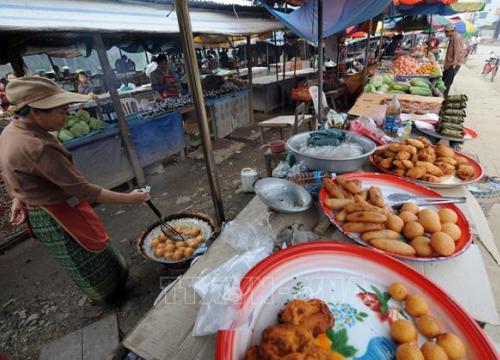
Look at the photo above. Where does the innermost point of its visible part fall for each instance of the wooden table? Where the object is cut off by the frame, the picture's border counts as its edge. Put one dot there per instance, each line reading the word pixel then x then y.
pixel 165 331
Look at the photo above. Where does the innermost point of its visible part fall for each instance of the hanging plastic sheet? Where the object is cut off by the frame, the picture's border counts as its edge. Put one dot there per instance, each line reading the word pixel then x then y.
pixel 337 16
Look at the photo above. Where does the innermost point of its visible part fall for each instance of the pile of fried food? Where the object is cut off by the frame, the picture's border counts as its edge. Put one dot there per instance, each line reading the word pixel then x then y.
pixel 300 322
pixel 411 232
pixel 439 344
pixel 176 250
pixel 419 159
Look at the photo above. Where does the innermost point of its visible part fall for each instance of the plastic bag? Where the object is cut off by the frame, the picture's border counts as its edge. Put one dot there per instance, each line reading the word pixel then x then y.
pixel 378 115
pixel 366 127
pixel 220 288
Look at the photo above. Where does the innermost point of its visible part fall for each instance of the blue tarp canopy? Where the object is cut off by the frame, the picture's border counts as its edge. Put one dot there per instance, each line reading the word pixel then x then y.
pixel 426 9
pixel 337 16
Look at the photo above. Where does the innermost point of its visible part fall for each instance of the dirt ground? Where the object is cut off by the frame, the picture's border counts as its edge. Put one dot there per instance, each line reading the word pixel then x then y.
pixel 39 303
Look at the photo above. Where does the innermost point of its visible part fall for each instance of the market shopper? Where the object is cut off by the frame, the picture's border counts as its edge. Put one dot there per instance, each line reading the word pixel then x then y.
pixel 454 56
pixel 162 81
pixel 48 191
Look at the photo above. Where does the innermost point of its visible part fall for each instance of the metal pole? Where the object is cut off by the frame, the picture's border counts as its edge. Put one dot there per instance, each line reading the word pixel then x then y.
pixel 381 39
pixel 193 74
pixel 429 37
pixel 250 78
pixel 276 54
pixel 147 57
pixel 284 74
pixel 267 57
pixel 320 61
pixel 110 80
pixel 365 72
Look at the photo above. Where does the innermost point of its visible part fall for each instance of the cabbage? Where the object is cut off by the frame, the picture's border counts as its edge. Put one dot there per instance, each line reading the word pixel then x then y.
pixel 70 121
pixel 65 135
pixel 388 79
pixel 369 88
pixel 80 129
pixel 377 81
pixel 384 88
pixel 96 124
pixel 83 115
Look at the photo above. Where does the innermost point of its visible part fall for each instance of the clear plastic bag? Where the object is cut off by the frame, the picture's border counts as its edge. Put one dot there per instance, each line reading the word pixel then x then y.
pixel 366 127
pixel 219 288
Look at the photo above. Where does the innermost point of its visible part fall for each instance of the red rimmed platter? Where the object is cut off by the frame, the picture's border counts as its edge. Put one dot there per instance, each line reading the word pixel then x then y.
pixel 390 184
pixel 428 128
pixel 349 279
pixel 449 181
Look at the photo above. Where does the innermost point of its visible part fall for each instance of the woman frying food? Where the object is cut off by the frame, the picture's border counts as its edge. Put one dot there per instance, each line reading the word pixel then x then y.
pixel 45 185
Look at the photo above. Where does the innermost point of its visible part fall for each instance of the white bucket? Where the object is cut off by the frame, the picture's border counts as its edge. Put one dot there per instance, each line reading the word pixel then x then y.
pixel 248 177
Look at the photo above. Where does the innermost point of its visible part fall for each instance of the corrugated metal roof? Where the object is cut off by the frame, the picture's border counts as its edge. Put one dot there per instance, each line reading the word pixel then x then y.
pixel 112 16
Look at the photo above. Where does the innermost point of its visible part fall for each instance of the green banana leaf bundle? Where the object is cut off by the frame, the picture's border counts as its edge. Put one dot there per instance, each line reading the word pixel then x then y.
pixel 453 112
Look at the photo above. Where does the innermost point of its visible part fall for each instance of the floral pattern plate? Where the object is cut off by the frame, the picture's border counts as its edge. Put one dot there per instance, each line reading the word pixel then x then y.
pixel 390 184
pixel 353 281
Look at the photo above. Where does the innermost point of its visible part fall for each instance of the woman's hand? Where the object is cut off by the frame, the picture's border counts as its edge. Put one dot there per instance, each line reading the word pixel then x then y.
pixel 138 197
pixel 17 215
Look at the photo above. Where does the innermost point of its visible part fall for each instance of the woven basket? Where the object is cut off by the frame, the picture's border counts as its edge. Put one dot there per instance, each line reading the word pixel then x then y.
pixel 487 192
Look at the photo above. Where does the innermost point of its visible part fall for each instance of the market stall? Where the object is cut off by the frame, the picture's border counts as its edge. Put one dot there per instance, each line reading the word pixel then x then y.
pixel 228 109
pixel 464 278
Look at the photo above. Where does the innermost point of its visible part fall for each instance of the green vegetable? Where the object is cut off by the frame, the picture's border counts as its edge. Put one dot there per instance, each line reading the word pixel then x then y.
pixel 419 82
pixel 400 87
pixel 96 124
pixel 70 121
pixel 80 129
pixel 388 79
pixel 377 81
pixel 83 115
pixel 369 88
pixel 65 135
pixel 384 88
pixel 417 90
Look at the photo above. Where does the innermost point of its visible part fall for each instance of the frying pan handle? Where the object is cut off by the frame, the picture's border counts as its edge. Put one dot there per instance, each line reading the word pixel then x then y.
pixel 154 209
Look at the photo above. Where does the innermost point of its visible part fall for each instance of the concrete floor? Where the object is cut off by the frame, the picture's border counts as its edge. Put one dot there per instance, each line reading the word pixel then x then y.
pixel 483 115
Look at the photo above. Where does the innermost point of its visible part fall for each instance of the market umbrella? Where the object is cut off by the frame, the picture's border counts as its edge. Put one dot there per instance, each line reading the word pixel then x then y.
pixel 464 27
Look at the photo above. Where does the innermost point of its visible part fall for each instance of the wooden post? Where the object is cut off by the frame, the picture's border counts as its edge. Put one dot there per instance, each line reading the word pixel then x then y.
pixel 320 61
pixel 284 74
pixel 16 61
pixel 109 79
pixel 367 53
pixel 250 78
pixel 381 39
pixel 276 53
pixel 193 74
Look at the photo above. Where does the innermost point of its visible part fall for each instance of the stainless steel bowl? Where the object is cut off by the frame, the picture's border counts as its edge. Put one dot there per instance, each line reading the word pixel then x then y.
pixel 283 195
pixel 342 165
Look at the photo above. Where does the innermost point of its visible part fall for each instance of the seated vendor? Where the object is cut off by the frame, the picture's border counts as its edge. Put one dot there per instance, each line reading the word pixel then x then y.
pixel 162 81
pixel 84 86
